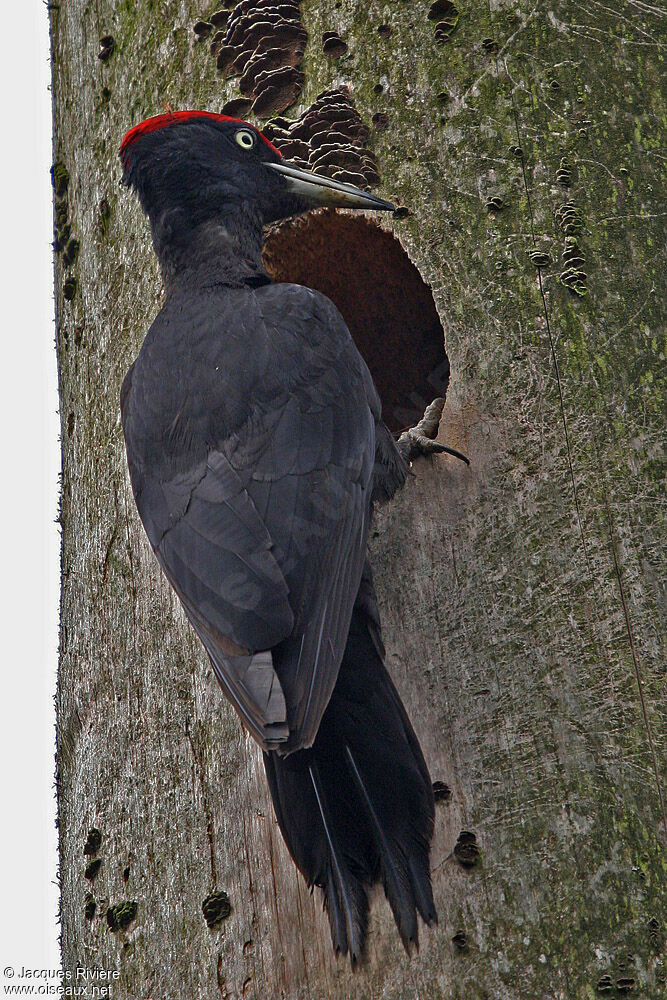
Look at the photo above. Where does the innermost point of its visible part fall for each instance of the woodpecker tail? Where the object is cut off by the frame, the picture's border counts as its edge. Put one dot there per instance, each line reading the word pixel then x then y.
pixel 357 808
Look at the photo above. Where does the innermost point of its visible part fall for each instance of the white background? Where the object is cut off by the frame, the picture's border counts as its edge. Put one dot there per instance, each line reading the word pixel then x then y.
pixel 28 498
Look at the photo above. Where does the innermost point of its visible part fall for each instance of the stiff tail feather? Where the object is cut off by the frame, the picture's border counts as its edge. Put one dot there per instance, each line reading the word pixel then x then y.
pixel 357 808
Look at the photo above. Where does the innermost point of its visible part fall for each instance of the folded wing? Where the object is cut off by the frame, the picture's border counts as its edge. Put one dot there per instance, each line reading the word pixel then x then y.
pixel 263 536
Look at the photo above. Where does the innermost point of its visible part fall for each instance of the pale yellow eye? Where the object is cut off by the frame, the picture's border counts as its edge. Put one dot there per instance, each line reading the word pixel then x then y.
pixel 245 138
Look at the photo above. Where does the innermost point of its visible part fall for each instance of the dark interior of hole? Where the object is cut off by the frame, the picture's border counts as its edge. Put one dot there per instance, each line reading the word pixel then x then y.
pixel 387 306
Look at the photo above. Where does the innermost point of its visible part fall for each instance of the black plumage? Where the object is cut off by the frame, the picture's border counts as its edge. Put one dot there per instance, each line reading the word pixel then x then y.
pixel 255 446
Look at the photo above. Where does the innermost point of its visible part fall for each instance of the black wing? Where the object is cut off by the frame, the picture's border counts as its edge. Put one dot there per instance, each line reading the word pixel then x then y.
pixel 254 489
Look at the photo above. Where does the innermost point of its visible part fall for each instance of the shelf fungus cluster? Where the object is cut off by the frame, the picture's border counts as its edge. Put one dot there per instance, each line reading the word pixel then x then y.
pixel 64 243
pixel 573 276
pixel 564 172
pixel 333 45
pixel 540 258
pixel 494 203
pixel 328 138
pixel 216 908
pixel 262 42
pixel 466 850
pixel 217 21
pixel 446 15
pixel 569 219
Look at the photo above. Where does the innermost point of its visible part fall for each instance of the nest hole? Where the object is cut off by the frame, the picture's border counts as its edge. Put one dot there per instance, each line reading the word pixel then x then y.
pixel 386 304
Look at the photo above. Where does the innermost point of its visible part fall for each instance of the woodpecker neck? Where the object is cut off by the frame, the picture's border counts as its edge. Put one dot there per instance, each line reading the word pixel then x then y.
pixel 225 248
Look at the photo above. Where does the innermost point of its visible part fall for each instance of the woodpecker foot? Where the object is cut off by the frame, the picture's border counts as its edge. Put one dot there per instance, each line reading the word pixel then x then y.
pixel 419 440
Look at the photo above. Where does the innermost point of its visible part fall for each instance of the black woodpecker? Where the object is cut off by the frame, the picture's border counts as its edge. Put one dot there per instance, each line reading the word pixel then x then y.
pixel 256 448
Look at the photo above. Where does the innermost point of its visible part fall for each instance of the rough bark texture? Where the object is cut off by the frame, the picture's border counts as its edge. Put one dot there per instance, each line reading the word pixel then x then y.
pixel 520 596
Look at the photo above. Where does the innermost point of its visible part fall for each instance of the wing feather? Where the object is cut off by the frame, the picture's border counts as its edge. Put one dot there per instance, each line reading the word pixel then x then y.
pixel 254 488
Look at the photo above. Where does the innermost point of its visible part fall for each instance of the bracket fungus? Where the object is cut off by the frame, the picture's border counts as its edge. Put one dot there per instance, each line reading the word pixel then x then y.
pixel 466 850
pixel 333 45
pixel 328 138
pixel 262 42
pixel 216 908
pixel 446 14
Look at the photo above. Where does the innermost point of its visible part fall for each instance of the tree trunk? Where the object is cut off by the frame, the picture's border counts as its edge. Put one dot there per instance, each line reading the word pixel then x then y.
pixel 520 596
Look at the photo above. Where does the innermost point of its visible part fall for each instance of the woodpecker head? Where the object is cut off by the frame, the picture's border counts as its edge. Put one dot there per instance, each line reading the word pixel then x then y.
pixel 199 165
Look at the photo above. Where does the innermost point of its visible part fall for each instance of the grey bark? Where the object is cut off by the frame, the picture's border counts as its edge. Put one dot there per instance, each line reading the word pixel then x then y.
pixel 520 597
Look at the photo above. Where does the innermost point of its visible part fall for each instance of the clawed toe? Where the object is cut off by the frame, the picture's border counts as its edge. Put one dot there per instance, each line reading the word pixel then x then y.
pixel 419 440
